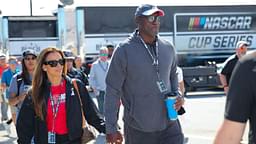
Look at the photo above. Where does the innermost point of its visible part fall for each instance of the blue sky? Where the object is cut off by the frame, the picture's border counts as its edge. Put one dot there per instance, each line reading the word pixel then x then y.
pixel 46 7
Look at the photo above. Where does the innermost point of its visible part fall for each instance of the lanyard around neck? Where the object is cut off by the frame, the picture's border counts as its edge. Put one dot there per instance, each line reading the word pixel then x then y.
pixel 155 58
pixel 55 109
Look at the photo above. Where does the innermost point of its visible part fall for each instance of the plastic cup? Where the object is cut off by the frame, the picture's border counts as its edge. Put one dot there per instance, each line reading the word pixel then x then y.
pixel 172 113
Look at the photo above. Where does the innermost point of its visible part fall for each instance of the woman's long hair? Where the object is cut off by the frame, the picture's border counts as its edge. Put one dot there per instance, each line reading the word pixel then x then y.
pixel 40 81
pixel 25 73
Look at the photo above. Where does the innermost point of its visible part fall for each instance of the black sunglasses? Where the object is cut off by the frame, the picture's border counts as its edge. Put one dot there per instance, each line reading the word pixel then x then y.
pixel 30 58
pixel 153 18
pixel 54 63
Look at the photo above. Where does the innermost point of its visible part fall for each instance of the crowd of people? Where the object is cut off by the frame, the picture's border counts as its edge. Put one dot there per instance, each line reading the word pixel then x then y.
pixel 140 74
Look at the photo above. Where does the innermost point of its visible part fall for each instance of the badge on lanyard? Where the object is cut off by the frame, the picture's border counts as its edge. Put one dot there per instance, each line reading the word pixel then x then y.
pixel 51 138
pixel 161 86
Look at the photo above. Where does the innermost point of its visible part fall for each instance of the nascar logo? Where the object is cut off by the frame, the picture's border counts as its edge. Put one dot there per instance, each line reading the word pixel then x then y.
pixel 220 23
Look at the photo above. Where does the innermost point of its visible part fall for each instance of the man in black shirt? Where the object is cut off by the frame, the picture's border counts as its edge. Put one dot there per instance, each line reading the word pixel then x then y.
pixel 241 49
pixel 240 103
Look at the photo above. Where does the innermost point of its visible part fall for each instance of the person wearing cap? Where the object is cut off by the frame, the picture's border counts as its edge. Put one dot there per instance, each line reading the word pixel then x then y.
pixel 4 105
pixel 142 70
pixel 22 81
pixel 225 75
pixel 71 71
pixel 97 77
pixel 5 83
pixel 240 104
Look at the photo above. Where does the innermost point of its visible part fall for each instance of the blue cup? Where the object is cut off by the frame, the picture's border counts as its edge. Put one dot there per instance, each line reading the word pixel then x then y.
pixel 172 113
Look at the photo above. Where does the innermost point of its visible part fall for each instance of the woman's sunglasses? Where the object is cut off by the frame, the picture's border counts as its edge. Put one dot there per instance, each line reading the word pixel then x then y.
pixel 30 58
pixel 54 63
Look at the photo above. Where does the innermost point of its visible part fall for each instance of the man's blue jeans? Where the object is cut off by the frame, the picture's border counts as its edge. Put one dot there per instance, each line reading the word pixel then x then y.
pixel 100 99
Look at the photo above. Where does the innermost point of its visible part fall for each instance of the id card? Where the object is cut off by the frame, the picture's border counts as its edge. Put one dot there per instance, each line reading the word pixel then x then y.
pixel 161 86
pixel 51 138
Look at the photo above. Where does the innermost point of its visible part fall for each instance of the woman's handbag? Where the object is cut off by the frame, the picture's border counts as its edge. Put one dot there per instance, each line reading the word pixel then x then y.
pixel 88 132
pixel 88 135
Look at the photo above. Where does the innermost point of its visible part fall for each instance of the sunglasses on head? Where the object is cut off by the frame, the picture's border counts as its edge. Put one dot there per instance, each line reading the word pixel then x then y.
pixel 153 18
pixel 54 63
pixel 30 58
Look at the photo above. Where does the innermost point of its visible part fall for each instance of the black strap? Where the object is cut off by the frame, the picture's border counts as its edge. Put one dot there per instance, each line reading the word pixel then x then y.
pixel 19 81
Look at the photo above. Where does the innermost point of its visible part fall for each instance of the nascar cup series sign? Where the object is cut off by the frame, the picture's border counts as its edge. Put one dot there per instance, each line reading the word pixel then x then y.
pixel 213 31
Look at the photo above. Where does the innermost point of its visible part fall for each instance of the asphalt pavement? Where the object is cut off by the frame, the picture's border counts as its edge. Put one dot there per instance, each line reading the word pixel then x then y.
pixel 7 134
pixel 204 114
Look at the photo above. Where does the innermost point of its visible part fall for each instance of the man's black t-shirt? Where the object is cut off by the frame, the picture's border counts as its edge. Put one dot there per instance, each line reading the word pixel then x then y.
pixel 229 67
pixel 241 99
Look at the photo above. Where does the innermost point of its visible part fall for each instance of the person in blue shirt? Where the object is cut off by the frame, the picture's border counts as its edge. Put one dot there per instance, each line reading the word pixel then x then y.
pixel 6 80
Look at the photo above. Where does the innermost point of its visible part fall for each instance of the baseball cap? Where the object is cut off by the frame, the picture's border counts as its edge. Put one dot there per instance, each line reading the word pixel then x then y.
pixel 68 54
pixel 241 43
pixel 147 10
pixel 29 52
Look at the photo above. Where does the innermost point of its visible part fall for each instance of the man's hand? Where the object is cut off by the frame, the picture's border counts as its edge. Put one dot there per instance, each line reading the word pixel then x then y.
pixel 179 102
pixel 114 138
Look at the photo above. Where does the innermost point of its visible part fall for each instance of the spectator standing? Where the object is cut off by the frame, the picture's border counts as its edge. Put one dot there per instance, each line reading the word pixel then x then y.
pixel 4 104
pixel 52 111
pixel 142 69
pixel 241 49
pixel 240 104
pixel 71 71
pixel 97 77
pixel 5 83
pixel 78 64
pixel 22 81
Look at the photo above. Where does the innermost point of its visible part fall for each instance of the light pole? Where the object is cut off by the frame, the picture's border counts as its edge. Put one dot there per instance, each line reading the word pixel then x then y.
pixel 31 9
